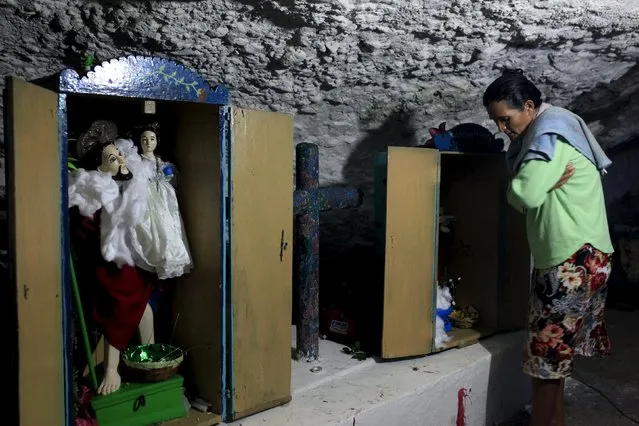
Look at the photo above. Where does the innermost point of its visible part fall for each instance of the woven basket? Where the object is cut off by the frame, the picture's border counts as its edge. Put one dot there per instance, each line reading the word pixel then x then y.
pixel 464 322
pixel 149 372
pixel 149 376
pixel 466 318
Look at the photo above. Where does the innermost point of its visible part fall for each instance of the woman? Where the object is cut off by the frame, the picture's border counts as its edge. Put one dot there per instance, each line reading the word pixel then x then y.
pixel 556 167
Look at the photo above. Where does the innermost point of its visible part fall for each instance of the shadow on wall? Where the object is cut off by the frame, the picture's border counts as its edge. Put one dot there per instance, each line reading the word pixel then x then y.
pixel 355 227
pixel 349 265
pixel 605 100
pixel 280 13
pixel 622 177
pixel 614 105
pixel 147 2
pixel 621 188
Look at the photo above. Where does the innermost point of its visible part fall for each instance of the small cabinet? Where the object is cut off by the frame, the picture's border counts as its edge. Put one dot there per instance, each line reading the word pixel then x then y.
pixel 487 247
pixel 232 312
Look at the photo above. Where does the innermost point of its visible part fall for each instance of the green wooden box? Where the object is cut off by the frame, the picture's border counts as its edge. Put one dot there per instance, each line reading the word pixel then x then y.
pixel 141 404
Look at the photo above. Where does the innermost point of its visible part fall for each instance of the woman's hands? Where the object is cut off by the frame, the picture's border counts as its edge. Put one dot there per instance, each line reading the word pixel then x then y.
pixel 569 171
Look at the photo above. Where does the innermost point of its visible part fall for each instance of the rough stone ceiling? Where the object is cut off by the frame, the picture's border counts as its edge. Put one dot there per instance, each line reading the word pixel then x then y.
pixel 358 74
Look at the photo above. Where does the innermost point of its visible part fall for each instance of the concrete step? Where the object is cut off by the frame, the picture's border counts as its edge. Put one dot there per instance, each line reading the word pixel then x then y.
pixel 483 382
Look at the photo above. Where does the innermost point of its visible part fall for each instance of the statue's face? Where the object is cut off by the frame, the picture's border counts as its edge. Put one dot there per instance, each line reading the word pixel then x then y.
pixel 148 141
pixel 113 161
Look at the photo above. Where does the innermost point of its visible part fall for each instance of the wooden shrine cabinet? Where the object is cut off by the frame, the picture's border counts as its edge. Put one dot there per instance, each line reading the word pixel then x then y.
pixel 232 312
pixel 488 247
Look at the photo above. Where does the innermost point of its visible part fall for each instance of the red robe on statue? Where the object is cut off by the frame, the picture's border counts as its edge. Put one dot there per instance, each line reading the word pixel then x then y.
pixel 118 295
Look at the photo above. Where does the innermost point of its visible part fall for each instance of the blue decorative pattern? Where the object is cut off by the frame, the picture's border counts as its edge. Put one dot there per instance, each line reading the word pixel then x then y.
pixel 225 271
pixel 67 317
pixel 146 78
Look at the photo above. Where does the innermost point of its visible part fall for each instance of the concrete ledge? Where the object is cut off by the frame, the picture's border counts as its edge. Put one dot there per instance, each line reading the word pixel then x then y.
pixel 416 392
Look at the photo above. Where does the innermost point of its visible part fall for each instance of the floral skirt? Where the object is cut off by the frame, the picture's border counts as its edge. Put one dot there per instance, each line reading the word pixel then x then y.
pixel 566 314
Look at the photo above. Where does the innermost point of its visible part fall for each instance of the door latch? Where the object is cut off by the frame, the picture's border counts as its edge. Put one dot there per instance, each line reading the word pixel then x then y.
pixel 283 246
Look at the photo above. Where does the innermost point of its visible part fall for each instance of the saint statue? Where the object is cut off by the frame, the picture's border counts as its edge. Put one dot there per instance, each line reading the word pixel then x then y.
pixel 107 202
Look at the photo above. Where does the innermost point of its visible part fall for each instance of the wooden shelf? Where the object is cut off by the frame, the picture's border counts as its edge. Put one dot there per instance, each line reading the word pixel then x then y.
pixel 462 337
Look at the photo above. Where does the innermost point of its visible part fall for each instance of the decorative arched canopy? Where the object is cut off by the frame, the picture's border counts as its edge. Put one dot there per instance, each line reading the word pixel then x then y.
pixel 143 77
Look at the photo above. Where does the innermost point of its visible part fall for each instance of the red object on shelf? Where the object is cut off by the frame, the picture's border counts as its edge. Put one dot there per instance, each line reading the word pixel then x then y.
pixel 338 326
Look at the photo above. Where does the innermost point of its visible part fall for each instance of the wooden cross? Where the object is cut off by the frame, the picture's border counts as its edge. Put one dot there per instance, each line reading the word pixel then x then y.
pixel 308 201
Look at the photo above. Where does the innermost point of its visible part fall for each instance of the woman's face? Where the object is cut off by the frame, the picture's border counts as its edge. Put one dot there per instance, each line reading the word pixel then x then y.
pixel 512 121
pixel 148 141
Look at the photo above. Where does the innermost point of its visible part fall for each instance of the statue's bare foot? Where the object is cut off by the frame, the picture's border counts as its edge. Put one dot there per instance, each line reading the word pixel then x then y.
pixel 110 383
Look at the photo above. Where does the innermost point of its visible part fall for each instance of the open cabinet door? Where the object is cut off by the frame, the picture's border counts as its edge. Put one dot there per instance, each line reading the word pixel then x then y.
pixel 410 252
pixel 260 273
pixel 35 241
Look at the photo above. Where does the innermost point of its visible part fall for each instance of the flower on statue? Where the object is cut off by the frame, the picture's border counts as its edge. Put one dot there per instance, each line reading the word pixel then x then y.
pixel 167 170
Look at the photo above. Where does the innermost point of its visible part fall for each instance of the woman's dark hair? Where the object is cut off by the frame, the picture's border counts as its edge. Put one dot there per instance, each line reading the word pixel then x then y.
pixel 514 88
pixel 136 132
pixel 90 144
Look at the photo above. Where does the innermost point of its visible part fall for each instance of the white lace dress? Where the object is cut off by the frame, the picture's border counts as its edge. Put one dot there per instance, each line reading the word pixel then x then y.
pixel 159 242
pixel 123 204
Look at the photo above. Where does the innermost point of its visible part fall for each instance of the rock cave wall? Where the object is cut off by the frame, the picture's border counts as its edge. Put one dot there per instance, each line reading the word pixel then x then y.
pixel 359 75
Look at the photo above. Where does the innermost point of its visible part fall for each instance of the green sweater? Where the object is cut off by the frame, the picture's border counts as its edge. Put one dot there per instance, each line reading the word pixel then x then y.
pixel 561 221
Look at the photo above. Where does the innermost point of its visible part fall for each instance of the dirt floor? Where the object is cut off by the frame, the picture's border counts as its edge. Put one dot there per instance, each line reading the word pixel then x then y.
pixel 605 392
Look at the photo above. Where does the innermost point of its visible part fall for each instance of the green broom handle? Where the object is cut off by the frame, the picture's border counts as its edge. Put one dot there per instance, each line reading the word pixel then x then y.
pixel 83 326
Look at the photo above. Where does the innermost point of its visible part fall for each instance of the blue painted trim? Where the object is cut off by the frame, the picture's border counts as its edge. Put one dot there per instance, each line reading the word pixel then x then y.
pixel 226 149
pixel 223 254
pixel 435 247
pixel 67 313
pixel 144 77
pixel 12 329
